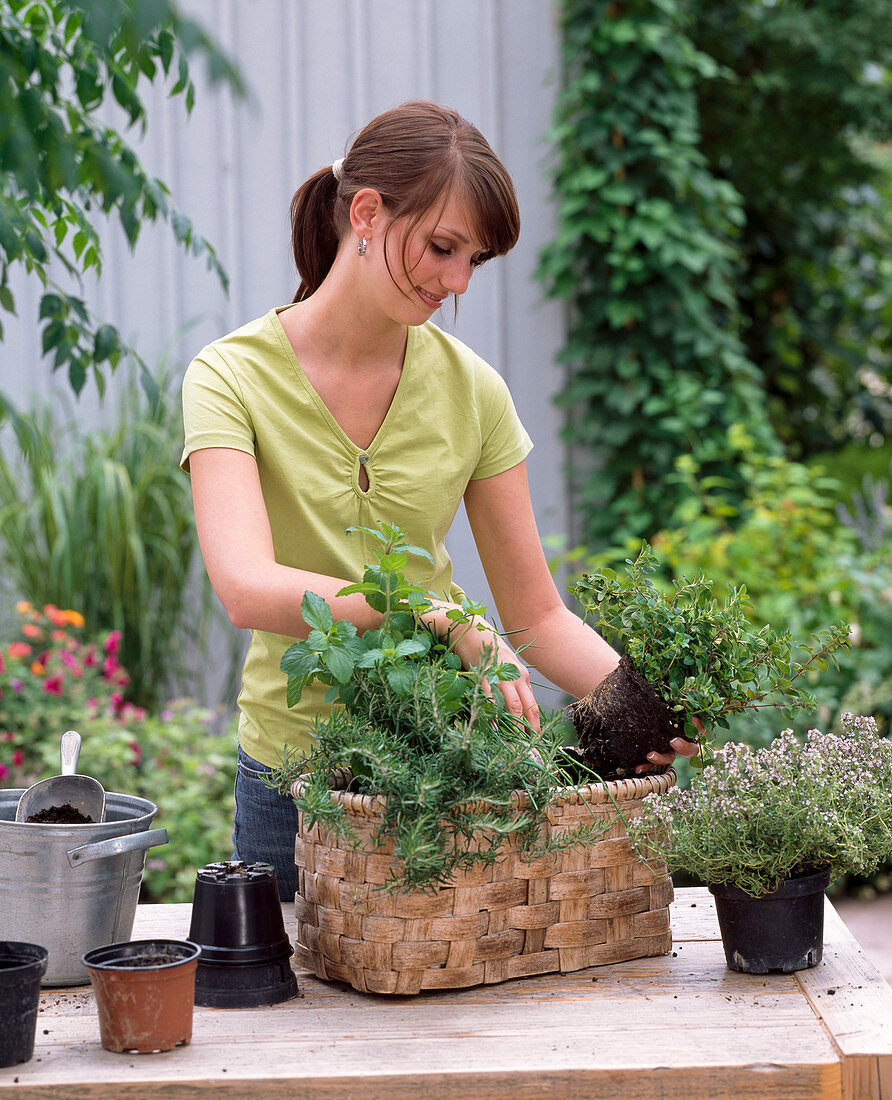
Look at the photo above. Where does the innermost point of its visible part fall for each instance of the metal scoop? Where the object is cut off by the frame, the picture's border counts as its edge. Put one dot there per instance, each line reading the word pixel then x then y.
pixel 80 792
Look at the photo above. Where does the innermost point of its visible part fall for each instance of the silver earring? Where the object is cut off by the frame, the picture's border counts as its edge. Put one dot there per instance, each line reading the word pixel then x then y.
pixel 363 245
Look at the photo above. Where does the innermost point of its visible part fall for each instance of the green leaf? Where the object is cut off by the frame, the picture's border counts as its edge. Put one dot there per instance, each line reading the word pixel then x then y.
pixel 316 612
pixel 340 664
pixel 370 658
pixel 299 660
pixel 418 551
pixel 400 678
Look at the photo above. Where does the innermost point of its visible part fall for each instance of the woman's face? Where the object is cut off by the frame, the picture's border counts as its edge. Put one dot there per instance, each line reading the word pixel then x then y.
pixel 440 256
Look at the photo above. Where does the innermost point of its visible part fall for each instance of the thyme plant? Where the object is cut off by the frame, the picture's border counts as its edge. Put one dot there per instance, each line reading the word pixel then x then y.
pixel 459 775
pixel 757 817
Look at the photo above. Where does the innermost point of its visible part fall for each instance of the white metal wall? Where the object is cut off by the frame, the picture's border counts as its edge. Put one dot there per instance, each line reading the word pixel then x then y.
pixel 317 70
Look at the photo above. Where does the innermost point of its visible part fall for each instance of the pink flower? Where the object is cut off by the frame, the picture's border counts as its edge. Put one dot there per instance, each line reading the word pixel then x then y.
pixel 18 758
pixel 17 686
pixel 4 771
pixel 53 685
pixel 112 642
pixel 72 663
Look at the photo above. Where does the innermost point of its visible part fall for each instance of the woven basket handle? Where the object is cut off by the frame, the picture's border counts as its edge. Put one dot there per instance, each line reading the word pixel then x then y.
pixel 338 780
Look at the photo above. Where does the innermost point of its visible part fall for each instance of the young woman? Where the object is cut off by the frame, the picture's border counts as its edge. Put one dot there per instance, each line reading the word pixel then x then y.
pixel 350 408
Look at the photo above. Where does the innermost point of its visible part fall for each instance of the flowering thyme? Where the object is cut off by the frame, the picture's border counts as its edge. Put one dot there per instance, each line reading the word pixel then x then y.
pixel 757 816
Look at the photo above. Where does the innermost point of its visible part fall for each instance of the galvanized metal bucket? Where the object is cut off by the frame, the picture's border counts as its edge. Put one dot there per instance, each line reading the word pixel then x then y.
pixel 71 888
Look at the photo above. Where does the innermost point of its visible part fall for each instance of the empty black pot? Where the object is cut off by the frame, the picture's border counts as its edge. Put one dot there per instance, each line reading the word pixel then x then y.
pixel 22 965
pixel 245 952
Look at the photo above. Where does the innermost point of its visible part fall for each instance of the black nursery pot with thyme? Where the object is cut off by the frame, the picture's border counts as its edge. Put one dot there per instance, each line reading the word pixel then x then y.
pixel 779 930
pixel 767 830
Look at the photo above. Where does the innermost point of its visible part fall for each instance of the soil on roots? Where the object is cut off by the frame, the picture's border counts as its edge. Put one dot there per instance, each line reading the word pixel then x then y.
pixel 621 721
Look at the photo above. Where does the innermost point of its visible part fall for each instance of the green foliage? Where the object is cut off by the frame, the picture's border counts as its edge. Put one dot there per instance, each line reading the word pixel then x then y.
pixel 702 654
pixel 103 522
pixel 646 256
pixel 755 818
pixel 60 61
pixel 458 773
pixel 791 119
pixel 188 771
pixel 783 540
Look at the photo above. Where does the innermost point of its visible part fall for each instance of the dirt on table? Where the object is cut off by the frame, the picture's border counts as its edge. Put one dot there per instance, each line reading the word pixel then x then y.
pixel 621 721
pixel 65 814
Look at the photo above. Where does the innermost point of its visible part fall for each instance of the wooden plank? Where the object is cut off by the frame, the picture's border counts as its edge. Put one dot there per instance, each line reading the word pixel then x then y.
pixel 854 1004
pixel 678 1027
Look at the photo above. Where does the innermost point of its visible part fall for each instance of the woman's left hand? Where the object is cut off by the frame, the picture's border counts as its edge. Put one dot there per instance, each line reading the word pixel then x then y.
pixel 682 747
pixel 478 642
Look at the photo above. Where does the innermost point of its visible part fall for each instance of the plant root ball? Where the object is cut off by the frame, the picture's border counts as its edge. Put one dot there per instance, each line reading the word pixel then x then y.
pixel 621 721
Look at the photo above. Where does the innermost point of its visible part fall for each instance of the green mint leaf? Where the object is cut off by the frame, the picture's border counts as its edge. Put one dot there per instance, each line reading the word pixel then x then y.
pixel 300 660
pixel 400 679
pixel 418 551
pixel 340 664
pixel 316 612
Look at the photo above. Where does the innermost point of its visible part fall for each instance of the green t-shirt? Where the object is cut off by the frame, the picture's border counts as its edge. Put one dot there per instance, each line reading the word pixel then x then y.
pixel 451 420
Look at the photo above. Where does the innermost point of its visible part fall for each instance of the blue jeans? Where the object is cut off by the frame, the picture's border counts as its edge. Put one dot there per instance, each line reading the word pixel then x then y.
pixel 265 824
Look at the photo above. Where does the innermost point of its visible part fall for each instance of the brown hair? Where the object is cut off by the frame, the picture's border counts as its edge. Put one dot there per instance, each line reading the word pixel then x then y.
pixel 415 156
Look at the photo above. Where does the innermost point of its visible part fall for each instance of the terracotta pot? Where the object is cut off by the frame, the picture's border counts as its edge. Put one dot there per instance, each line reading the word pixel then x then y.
pixel 145 993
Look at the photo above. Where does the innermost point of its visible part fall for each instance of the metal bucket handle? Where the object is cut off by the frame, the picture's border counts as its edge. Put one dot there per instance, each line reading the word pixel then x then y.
pixel 117 846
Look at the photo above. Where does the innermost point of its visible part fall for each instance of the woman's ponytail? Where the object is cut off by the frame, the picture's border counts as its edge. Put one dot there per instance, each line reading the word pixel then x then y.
pixel 314 233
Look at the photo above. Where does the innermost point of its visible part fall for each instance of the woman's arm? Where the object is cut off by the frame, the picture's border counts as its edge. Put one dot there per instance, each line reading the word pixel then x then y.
pixel 256 591
pixel 550 637
pixel 236 543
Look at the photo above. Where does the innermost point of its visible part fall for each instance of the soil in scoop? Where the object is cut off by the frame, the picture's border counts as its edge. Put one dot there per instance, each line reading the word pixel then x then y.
pixel 59 815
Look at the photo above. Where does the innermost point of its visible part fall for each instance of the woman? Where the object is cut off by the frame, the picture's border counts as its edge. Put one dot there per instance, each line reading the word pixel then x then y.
pixel 350 408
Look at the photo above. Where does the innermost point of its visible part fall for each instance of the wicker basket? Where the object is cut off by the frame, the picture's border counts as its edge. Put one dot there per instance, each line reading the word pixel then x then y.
pixel 516 918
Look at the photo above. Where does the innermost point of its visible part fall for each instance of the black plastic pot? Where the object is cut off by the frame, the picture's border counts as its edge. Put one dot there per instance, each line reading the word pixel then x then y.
pixel 245 952
pixel 783 930
pixel 22 965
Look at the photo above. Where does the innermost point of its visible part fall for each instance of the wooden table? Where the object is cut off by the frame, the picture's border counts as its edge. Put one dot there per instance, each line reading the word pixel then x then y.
pixel 678 1027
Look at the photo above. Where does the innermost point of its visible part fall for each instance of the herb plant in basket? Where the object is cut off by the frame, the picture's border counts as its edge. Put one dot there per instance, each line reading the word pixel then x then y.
pixel 456 772
pixel 434 868
pixel 767 829
pixel 689 661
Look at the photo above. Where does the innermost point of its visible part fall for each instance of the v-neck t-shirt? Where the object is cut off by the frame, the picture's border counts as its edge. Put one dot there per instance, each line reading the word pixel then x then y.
pixel 451 421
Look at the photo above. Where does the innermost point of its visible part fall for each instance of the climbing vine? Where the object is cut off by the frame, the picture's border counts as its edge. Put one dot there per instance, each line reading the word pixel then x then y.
pixel 646 257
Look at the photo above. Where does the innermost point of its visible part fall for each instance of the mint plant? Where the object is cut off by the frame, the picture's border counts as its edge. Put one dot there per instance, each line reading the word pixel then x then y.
pixel 459 774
